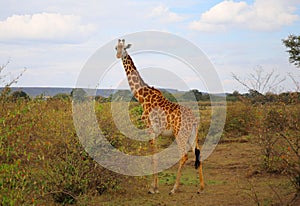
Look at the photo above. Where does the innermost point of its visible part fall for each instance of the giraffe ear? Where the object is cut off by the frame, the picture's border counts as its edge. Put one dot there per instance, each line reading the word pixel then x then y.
pixel 128 46
pixel 116 48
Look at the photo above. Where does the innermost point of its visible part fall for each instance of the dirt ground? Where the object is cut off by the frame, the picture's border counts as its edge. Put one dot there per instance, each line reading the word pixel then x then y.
pixel 232 175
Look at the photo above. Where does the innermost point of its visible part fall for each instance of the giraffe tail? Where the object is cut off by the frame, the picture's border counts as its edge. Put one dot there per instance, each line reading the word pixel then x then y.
pixel 195 146
pixel 197 161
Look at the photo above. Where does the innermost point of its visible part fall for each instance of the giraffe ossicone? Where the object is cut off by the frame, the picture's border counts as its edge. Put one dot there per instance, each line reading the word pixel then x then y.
pixel 162 117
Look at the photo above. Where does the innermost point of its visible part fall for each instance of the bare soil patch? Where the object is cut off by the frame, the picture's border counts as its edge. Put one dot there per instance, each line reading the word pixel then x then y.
pixel 232 177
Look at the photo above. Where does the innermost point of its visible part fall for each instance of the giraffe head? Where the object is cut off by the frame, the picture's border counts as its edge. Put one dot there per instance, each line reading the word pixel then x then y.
pixel 121 48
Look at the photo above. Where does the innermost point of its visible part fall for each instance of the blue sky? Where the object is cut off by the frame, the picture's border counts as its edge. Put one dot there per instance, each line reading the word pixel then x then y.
pixel 54 39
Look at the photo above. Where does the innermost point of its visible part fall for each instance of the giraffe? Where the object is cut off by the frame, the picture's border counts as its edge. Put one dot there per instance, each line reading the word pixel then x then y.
pixel 162 117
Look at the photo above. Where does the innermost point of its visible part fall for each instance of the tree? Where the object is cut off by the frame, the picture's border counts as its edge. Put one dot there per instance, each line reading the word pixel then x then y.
pixel 293 45
pixel 123 96
pixel 195 95
pixel 260 81
pixel 62 96
pixel 233 97
pixel 169 96
pixel 16 95
pixel 78 94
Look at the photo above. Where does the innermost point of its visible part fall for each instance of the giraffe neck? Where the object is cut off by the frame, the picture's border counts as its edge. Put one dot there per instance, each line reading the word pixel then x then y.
pixel 134 79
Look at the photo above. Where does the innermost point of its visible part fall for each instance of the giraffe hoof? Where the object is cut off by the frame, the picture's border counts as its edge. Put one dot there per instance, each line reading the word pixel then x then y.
pixel 172 192
pixel 200 191
pixel 153 191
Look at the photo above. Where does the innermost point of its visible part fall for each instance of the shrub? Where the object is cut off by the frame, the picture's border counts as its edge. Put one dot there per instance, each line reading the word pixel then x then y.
pixel 289 149
pixel 70 172
pixel 41 159
pixel 240 119
pixel 279 138
pixel 272 123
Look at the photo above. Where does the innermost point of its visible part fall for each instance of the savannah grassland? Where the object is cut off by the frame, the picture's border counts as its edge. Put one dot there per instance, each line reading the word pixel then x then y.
pixel 257 161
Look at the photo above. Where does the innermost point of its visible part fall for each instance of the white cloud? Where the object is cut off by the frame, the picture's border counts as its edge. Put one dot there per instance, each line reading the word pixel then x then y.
pixel 44 26
pixel 262 15
pixel 164 14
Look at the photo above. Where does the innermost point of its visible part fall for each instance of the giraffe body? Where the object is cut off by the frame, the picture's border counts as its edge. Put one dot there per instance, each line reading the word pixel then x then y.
pixel 162 117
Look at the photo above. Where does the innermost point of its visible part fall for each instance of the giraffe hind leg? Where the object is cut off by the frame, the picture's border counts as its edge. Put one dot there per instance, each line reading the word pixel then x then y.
pixel 198 165
pixel 181 163
pixel 201 178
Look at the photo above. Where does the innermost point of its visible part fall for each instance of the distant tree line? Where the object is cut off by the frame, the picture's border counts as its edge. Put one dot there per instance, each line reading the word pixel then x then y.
pixel 193 95
pixel 256 97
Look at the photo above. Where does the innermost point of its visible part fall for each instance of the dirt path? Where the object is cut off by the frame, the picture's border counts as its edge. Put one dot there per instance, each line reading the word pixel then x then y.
pixel 232 177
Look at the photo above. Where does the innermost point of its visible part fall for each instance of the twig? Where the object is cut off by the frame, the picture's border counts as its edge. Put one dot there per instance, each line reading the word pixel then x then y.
pixel 290 143
pixel 3 66
pixel 17 78
pixel 253 194
pixel 55 192
pixel 240 81
pixel 277 195
pixel 297 84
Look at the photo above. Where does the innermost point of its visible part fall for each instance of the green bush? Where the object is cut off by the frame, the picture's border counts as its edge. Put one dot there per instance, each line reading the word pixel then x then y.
pixel 41 159
pixel 70 173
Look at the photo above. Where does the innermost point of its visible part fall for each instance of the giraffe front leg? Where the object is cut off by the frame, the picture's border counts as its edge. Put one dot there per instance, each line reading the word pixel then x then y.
pixel 181 163
pixel 154 186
